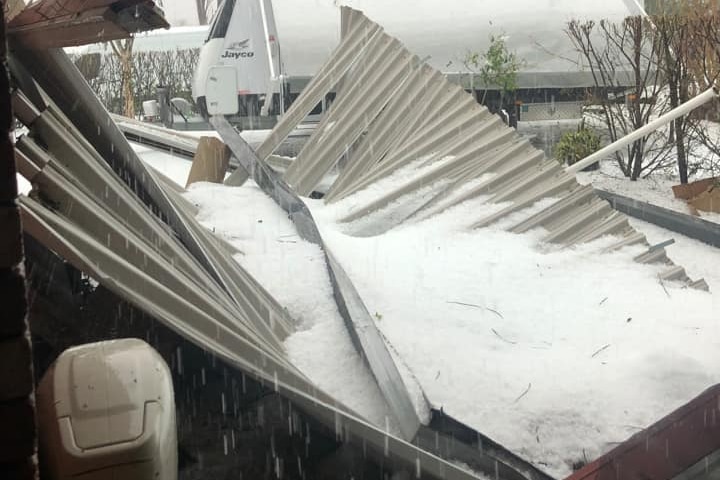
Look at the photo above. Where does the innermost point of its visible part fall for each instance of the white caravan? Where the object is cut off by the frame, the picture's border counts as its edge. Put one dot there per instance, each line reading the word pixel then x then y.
pixel 241 55
pixel 243 44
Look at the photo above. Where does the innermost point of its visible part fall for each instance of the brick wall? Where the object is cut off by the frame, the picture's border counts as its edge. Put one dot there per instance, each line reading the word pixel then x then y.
pixel 17 412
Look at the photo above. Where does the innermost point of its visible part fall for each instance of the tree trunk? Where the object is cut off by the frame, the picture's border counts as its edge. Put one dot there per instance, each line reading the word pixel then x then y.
pixel 675 68
pixel 635 163
pixel 123 50
pixel 677 128
pixel 681 127
pixel 680 149
pixel 622 164
pixel 127 87
pixel 637 160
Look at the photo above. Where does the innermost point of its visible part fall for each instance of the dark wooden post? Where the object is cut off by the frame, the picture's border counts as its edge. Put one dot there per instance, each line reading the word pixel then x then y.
pixel 18 445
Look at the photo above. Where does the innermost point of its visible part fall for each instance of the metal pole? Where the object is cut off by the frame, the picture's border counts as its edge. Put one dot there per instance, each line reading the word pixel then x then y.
pixel 266 31
pixel 661 121
pixel 163 98
pixel 17 409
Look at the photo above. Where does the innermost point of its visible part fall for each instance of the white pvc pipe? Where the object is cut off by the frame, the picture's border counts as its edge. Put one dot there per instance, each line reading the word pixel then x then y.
pixel 661 121
pixel 266 30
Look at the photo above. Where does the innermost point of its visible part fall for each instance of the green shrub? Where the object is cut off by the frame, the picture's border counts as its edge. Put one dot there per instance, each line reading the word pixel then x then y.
pixel 574 146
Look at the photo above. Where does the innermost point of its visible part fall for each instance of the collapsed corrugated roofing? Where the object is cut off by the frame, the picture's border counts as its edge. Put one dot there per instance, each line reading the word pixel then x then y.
pixel 392 110
pixel 103 227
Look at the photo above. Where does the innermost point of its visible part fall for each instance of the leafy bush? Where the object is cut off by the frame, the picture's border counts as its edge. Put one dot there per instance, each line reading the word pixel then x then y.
pixel 574 146
pixel 498 67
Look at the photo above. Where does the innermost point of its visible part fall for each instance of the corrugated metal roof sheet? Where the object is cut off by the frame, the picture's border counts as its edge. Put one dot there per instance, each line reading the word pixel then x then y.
pixel 392 110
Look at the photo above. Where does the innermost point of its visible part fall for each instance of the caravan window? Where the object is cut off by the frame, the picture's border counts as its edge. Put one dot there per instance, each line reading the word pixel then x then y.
pixel 222 20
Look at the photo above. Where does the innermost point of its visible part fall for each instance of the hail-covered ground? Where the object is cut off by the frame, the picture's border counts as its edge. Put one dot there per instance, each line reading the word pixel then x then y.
pixel 558 354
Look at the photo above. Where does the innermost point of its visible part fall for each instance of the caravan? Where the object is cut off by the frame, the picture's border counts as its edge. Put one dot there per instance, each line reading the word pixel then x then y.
pixel 240 71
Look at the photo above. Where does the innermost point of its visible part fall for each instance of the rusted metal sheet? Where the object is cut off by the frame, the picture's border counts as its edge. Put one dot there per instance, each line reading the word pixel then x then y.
pixel 666 449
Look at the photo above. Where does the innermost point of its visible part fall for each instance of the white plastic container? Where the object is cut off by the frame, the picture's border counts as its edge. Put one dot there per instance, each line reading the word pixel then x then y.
pixel 151 109
pixel 107 411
